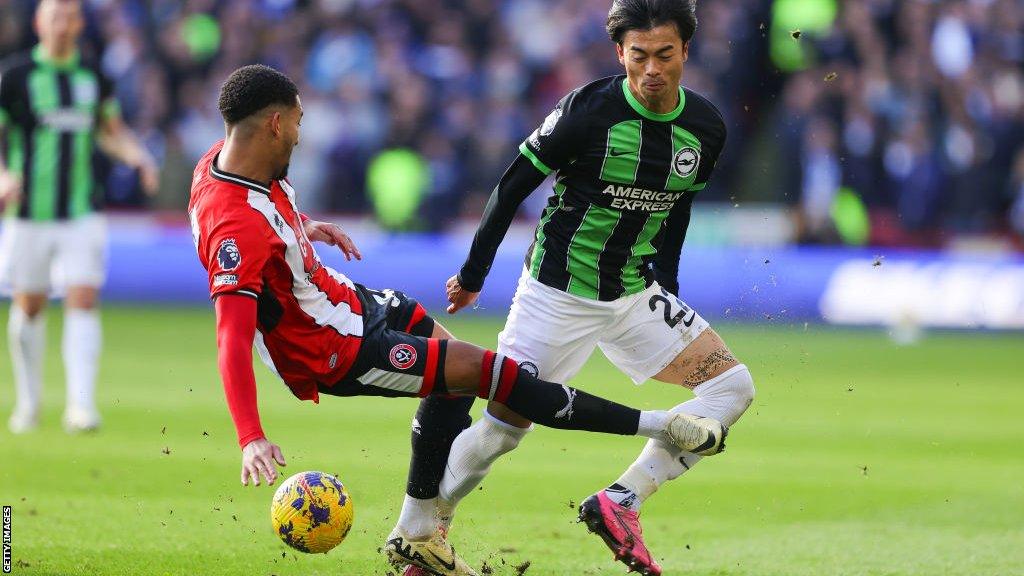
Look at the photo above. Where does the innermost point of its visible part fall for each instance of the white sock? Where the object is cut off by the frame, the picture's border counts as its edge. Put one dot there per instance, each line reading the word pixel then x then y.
pixel 724 398
pixel 81 347
pixel 419 517
pixel 27 342
pixel 471 456
pixel 653 423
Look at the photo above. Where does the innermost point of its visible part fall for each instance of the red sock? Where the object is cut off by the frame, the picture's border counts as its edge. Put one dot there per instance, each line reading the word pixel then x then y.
pixel 498 376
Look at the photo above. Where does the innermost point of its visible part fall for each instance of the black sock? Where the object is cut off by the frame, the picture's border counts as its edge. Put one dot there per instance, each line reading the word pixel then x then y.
pixel 560 406
pixel 438 421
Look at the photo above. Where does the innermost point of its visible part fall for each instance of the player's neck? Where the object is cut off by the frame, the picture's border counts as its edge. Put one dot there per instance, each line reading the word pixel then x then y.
pixel 58 54
pixel 661 106
pixel 241 160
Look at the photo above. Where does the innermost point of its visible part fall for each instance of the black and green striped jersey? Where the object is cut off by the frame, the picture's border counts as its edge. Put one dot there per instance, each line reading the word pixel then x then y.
pixel 625 178
pixel 50 112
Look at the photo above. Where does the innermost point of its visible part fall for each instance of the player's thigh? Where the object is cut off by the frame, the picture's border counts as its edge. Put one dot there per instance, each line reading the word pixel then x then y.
pixel 655 329
pixel 706 358
pixel 82 254
pixel 551 334
pixel 26 256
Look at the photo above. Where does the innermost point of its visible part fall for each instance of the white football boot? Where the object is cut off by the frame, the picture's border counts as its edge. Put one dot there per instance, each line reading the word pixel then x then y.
pixel 697 434
pixel 23 420
pixel 78 419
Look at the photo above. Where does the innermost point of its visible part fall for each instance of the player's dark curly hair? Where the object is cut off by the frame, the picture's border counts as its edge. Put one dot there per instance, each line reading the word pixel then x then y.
pixel 626 15
pixel 251 89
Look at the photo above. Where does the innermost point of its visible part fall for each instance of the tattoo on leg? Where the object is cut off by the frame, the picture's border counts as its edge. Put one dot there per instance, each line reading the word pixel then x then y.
pixel 708 366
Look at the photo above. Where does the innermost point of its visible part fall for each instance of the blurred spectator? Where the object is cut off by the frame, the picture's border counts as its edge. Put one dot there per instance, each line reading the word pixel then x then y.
pixel 914 108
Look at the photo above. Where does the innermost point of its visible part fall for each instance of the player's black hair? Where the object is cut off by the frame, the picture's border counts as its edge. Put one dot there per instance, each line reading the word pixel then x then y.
pixel 626 15
pixel 251 89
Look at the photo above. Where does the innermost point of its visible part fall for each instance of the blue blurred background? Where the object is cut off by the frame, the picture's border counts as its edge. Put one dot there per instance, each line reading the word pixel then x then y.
pixel 874 172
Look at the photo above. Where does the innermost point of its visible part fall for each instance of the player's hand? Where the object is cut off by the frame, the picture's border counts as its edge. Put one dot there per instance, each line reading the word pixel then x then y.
pixel 333 235
pixel 10 187
pixel 458 296
pixel 258 458
pixel 149 176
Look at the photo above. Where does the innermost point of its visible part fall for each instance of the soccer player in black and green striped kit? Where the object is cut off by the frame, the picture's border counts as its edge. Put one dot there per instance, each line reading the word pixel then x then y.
pixel 628 155
pixel 53 109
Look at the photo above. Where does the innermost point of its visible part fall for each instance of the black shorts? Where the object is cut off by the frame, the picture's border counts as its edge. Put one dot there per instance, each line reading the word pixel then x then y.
pixel 397 357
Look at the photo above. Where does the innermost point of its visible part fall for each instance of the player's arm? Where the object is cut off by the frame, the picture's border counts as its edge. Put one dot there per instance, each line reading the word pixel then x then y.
pixel 10 181
pixel 550 147
pixel 236 328
pixel 118 141
pixel 520 179
pixel 666 264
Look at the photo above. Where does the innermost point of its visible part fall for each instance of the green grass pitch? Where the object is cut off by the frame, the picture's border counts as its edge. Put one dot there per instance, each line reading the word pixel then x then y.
pixel 858 458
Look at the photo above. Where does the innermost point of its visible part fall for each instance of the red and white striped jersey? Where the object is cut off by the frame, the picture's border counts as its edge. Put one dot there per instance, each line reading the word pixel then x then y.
pixel 250 240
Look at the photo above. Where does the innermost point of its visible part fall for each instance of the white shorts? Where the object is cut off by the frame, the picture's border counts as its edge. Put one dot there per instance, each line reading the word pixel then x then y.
pixel 552 333
pixel 36 257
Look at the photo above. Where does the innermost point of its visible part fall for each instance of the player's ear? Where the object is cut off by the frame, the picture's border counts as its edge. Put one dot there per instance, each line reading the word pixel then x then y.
pixel 686 50
pixel 275 123
pixel 620 53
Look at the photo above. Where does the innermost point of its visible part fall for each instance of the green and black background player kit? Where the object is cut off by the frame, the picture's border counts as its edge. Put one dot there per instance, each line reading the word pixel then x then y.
pixel 625 178
pixel 49 112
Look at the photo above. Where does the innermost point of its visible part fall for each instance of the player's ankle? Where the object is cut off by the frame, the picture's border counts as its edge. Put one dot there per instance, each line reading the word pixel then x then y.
pixel 418 520
pixel 653 423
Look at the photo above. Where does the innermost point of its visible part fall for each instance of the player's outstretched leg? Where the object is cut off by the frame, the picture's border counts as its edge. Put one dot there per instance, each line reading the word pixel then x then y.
pixel 614 513
pixel 469 369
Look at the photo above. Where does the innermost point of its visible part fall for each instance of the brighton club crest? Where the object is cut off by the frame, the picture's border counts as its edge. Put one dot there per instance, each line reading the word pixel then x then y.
pixel 228 255
pixel 685 162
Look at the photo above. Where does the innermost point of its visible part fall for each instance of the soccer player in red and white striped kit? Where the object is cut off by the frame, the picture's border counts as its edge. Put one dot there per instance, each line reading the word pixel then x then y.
pixel 321 333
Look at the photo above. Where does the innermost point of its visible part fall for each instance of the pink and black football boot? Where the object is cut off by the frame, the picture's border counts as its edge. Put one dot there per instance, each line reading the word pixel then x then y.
pixel 619 527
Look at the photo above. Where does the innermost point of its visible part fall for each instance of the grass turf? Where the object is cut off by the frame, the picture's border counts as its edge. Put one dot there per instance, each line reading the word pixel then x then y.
pixel 858 457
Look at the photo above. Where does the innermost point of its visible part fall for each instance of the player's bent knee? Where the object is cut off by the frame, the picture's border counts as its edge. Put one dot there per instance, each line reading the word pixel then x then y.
pixel 31 305
pixel 728 395
pixel 82 298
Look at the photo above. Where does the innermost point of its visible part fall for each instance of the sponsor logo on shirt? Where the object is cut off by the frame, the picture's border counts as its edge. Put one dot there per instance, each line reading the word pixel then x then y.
pixel 630 198
pixel 225 280
pixel 67 120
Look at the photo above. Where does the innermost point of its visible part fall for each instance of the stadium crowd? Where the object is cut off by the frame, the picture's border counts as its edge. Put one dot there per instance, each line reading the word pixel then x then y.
pixel 905 115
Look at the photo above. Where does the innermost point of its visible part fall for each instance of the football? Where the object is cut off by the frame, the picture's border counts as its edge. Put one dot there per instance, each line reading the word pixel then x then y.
pixel 312 512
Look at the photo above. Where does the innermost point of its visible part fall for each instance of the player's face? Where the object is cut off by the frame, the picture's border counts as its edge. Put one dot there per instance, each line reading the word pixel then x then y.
pixel 292 124
pixel 59 24
pixel 287 130
pixel 654 63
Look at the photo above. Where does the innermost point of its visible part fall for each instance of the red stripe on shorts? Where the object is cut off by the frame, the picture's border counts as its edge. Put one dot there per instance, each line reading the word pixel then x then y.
pixel 430 372
pixel 418 313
